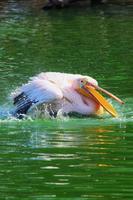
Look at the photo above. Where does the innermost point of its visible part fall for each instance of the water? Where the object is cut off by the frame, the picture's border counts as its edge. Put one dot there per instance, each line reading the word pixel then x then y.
pixel 77 158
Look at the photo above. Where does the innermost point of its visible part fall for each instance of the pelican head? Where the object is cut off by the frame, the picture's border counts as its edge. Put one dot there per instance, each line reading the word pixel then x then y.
pixel 89 88
pixel 83 81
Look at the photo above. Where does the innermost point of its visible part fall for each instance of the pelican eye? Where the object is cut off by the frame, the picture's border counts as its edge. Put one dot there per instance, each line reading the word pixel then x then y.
pixel 82 83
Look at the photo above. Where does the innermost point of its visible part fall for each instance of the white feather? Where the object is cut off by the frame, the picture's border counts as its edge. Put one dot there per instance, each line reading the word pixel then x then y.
pixel 56 88
pixel 42 91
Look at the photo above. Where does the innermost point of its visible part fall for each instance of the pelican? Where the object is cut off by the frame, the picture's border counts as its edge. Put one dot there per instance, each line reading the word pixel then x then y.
pixel 62 93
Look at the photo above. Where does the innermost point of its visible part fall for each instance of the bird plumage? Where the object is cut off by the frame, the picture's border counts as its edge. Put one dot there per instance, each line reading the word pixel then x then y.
pixel 57 91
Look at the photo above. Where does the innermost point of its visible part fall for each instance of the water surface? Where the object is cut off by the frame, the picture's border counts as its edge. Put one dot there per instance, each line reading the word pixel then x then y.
pixel 81 158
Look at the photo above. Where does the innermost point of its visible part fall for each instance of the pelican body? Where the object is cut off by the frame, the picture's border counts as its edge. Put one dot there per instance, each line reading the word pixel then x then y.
pixel 62 93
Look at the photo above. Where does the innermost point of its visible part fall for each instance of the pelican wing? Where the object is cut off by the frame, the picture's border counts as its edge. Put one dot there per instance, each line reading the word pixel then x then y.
pixel 36 92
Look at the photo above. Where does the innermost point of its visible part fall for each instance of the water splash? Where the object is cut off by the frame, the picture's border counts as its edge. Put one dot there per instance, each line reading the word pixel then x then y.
pixel 125 116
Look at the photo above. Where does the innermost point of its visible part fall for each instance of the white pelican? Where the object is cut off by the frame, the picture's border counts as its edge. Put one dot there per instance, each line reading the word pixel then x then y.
pixel 64 93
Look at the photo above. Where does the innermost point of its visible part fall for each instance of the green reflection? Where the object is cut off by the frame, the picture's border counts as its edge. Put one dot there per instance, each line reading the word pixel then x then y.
pixel 71 157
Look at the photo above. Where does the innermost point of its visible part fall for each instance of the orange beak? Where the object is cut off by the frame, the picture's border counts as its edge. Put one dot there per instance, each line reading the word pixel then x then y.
pixel 91 90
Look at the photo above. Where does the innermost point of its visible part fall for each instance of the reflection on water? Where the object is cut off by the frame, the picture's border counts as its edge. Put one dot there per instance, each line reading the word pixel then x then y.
pixel 89 158
pixel 55 159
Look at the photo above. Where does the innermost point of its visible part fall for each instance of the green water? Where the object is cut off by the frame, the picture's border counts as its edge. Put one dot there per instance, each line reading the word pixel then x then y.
pixel 74 158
